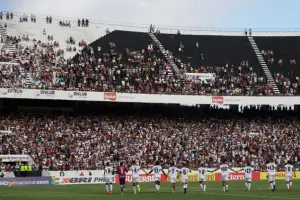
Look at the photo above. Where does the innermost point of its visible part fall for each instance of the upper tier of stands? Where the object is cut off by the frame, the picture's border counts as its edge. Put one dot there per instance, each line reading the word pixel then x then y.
pixel 216 50
pixel 125 64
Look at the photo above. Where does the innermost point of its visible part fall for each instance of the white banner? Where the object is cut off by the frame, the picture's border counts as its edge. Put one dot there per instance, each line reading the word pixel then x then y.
pixel 82 173
pixel 6 132
pixel 8 174
pixel 200 76
pixel 14 158
pixel 79 177
pixel 147 98
pixel 81 180
pixel 8 63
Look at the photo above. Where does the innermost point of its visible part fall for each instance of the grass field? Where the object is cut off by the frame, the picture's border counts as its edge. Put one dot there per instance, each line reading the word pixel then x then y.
pixel 92 192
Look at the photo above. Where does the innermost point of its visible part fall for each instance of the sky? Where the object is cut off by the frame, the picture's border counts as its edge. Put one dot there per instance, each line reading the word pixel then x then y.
pixel 253 14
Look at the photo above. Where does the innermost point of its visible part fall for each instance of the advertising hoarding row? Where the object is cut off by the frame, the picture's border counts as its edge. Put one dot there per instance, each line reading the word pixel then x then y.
pixel 97 177
pixel 147 98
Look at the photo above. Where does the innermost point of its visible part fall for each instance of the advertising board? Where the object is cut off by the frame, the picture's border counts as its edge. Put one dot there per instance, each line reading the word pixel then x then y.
pixel 279 175
pixel 144 178
pixel 79 177
pixel 81 180
pixel 238 176
pixel 25 181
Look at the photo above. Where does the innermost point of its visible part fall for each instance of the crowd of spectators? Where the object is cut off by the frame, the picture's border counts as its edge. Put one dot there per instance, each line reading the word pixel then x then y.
pixel 87 142
pixel 140 71
pixel 230 80
pixel 288 84
pixel 109 71
pixel 135 70
pixel 270 58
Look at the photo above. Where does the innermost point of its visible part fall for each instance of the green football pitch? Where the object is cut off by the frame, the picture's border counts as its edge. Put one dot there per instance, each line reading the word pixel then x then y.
pixel 260 190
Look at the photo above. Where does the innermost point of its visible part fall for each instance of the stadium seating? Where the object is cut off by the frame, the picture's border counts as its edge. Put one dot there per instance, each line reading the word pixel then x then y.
pixel 230 58
pixel 287 50
pixel 127 61
pixel 217 50
pixel 86 141
pixel 124 39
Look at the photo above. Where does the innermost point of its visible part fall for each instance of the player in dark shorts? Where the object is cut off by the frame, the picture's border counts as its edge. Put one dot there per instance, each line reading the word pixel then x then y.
pixel 121 171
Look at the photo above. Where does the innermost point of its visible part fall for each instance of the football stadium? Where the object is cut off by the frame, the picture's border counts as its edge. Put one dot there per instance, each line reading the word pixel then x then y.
pixel 93 109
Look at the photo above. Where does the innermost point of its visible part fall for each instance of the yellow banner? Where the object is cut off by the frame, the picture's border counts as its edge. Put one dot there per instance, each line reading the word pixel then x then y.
pixel 279 175
pixel 194 177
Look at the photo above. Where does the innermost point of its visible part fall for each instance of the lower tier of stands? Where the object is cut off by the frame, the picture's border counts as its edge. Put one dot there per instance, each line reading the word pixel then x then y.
pixel 84 136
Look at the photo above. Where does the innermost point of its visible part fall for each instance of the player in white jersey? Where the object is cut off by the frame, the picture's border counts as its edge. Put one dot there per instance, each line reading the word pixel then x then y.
pixel 271 167
pixel 202 170
pixel 108 176
pixel 289 175
pixel 224 174
pixel 135 169
pixel 173 176
pixel 248 176
pixel 185 178
pixel 157 169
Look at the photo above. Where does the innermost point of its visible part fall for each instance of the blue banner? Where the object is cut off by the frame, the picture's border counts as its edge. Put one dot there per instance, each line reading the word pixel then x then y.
pixel 25 181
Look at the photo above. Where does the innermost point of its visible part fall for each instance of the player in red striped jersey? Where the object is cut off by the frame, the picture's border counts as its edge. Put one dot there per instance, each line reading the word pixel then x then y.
pixel 121 171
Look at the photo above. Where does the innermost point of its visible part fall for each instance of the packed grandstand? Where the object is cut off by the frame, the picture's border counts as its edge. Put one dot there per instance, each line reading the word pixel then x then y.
pixel 70 135
pixel 151 63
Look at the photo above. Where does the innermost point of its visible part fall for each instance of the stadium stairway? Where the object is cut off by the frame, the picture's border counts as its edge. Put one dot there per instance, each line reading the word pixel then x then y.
pixel 164 52
pixel 3 31
pixel 10 47
pixel 263 65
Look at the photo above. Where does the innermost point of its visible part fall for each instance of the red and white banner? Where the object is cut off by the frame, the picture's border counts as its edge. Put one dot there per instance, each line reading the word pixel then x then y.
pixel 238 176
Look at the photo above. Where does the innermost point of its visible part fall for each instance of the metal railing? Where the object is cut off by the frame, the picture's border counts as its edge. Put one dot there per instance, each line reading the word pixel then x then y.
pixel 160 27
